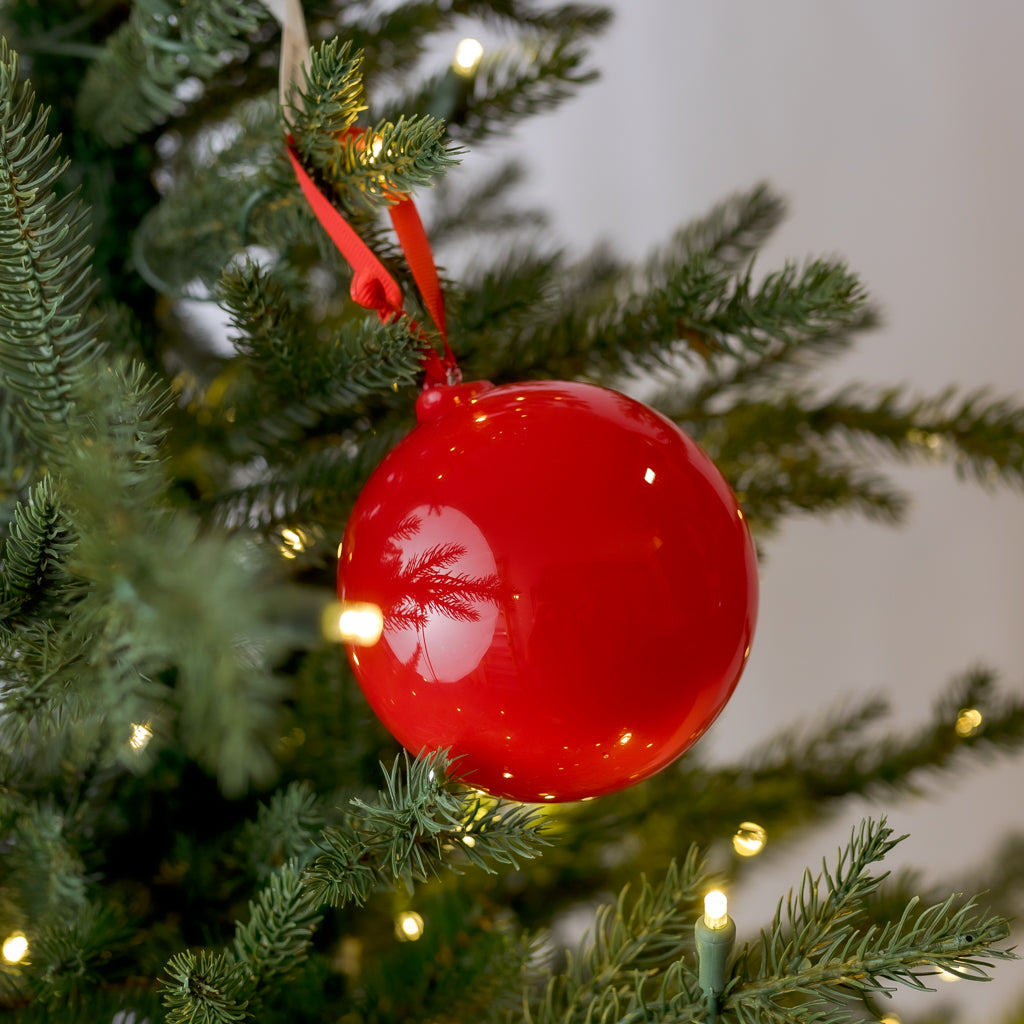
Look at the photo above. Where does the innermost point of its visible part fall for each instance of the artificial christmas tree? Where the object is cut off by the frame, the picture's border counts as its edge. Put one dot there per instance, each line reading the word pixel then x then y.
pixel 193 819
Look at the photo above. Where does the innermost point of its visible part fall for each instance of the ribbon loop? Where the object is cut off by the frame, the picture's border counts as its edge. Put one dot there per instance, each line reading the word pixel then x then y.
pixel 372 286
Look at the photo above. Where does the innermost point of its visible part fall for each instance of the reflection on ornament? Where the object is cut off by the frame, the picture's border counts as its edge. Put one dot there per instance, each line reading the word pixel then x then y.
pixel 749 839
pixel 409 926
pixel 15 948
pixel 467 56
pixel 968 721
pixel 716 910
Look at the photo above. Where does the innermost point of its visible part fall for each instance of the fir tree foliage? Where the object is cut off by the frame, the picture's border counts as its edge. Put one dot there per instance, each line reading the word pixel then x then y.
pixel 187 813
pixel 46 281
pixel 819 958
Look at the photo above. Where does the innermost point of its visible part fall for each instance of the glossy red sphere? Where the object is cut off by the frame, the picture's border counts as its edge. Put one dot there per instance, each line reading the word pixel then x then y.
pixel 563 585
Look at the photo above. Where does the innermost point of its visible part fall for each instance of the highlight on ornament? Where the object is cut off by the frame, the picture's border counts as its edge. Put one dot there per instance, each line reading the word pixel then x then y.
pixel 409 926
pixel 749 839
pixel 468 54
pixel 716 910
pixel 968 722
pixel 15 948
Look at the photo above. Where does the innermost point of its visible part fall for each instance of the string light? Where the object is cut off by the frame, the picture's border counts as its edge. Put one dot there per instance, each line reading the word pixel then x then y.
pixel 749 839
pixel 467 56
pixel 353 622
pixel 408 926
pixel 294 541
pixel 15 948
pixel 714 934
pixel 716 910
pixel 141 735
pixel 968 721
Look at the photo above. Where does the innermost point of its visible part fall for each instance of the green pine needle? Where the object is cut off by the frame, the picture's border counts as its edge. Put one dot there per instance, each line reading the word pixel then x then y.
pixel 412 829
pixel 35 555
pixel 274 940
pixel 133 86
pixel 46 285
pixel 331 98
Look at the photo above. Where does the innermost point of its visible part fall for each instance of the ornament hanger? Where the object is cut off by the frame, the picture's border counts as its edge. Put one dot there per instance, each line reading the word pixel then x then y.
pixel 372 286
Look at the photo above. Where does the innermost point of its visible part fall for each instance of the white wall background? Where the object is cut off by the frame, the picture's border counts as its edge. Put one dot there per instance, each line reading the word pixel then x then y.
pixel 894 130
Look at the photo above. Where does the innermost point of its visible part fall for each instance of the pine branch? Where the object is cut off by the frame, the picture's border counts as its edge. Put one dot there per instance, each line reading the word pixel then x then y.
pixel 412 829
pixel 632 939
pixel 134 85
pixel 982 436
pixel 639 320
pixel 280 927
pixel 283 830
pixel 204 988
pixel 821 951
pixel 362 171
pixel 327 105
pixel 46 285
pixel 514 84
pixel 318 486
pixel 71 958
pixel 362 358
pixel 35 556
pixel 45 865
pixel 481 209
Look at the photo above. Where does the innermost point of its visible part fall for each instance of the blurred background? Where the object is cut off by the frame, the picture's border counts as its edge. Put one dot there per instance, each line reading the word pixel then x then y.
pixel 894 131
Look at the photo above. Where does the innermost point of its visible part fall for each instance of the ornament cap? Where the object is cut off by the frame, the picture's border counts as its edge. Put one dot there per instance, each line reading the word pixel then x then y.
pixel 440 401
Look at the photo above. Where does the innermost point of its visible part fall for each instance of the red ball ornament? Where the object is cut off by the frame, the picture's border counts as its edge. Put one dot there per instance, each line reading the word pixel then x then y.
pixel 552 580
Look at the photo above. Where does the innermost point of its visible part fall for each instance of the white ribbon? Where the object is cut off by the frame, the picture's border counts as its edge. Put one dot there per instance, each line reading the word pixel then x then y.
pixel 294 46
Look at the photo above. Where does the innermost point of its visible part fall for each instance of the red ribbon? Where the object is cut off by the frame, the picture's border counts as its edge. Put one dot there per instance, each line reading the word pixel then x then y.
pixel 372 286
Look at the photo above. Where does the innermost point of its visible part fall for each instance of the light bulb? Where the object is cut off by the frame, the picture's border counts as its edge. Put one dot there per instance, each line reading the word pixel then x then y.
pixel 968 721
pixel 716 910
pixel 15 947
pixel 467 56
pixel 141 735
pixel 749 839
pixel 359 623
pixel 408 926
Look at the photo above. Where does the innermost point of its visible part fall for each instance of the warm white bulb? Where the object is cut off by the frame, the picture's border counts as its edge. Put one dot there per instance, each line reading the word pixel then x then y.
pixel 15 947
pixel 141 735
pixel 968 721
pixel 716 909
pixel 467 56
pixel 749 839
pixel 409 925
pixel 359 623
